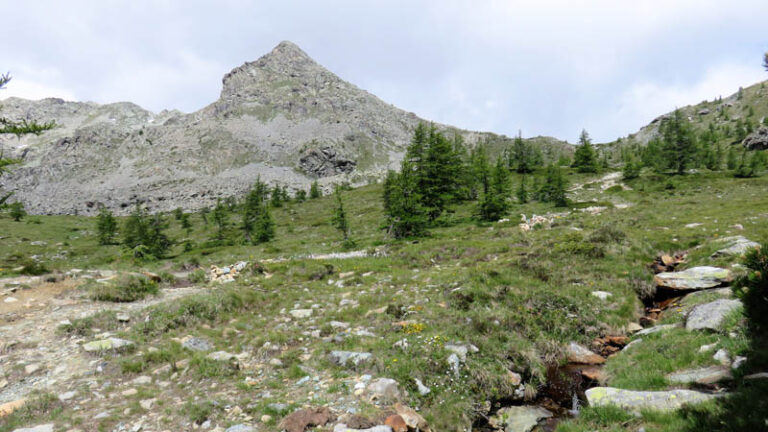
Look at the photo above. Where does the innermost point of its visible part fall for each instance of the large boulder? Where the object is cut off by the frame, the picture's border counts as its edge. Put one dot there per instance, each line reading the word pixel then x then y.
pixel 579 354
pixel 710 316
pixel 695 278
pixel 636 401
pixel 757 140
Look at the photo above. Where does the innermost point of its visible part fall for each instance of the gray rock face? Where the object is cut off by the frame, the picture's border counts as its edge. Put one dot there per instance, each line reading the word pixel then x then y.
pixel 636 401
pixel 196 344
pixel 519 418
pixel 735 246
pixel 710 316
pixel 707 375
pixel 282 118
pixel 757 140
pixel 694 278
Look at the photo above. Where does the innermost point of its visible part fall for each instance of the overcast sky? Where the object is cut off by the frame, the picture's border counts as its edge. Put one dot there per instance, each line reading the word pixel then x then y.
pixel 543 67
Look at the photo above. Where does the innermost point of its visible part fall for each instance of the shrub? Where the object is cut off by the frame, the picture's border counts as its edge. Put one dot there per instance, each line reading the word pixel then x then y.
pixel 574 244
pixel 198 276
pixel 33 268
pixel 752 288
pixel 126 290
pixel 607 234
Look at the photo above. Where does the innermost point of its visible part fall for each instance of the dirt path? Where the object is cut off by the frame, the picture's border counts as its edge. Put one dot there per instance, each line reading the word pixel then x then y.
pixel 33 356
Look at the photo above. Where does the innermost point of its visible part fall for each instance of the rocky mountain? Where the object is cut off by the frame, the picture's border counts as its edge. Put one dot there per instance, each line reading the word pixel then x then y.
pixel 283 118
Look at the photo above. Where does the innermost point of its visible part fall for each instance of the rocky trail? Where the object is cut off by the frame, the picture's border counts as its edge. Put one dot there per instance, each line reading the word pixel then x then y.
pixel 36 356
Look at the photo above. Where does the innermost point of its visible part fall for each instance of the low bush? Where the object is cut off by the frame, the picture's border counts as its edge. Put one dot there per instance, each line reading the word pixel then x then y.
pixel 128 289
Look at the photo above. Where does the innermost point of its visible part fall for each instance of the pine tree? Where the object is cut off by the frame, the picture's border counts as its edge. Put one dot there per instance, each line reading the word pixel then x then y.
pixel 265 226
pixel 461 170
pixel 522 191
pixel 220 218
pixel 732 159
pixel 145 235
pixel 16 211
pixel 437 174
pixel 388 190
pixel 178 213
pixel 631 168
pixel 585 158
pixel 339 219
pixel 679 143
pixel 106 226
pixel 301 195
pixel 204 212
pixel 554 188
pixel 157 242
pixel 480 171
pixel 495 202
pixel 186 224
pixel 314 191
pixel 277 197
pixel 523 155
pixel 254 205
pixel 405 215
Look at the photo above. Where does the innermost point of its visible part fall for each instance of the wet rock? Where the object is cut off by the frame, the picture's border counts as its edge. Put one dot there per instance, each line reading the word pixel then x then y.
pixel 735 246
pixel 109 344
pixel 383 390
pixel 196 344
pixel 704 277
pixel 635 401
pixel 710 316
pixel 300 420
pixel 707 375
pixel 341 358
pixel 579 354
pixel 519 418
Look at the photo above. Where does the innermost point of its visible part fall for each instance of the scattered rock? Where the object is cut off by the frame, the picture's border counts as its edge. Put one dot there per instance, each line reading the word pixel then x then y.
pixel 413 419
pixel 738 362
pixel 109 344
pixel 422 389
pixel 221 356
pixel 300 420
pixel 40 428
pixel 634 328
pixel 341 358
pixel 241 428
pixel 9 407
pixel 383 390
pixel 705 348
pixel 455 363
pixel 396 423
pixel 656 329
pixel 710 316
pixel 196 344
pixel 735 246
pixel 301 313
pixel 266 418
pixel 67 396
pixel 10 300
pixel 142 380
pixel 694 278
pixel 602 295
pixel 579 354
pixel 636 401
pixel 343 428
pixel 519 418
pixel 707 375
pixel 723 357
pixel 122 317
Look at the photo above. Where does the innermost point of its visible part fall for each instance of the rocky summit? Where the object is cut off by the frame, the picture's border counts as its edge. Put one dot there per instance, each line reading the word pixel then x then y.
pixel 282 118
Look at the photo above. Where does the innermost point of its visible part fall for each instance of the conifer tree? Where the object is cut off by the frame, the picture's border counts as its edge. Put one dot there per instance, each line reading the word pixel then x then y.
pixel 732 159
pixel 220 218
pixel 265 226
pixel 257 222
pixel 339 219
pixel 145 235
pixel 679 142
pixel 437 174
pixel 314 191
pixel 461 171
pixel 277 197
pixel 106 226
pixel 585 158
pixel 495 201
pixel 554 188
pixel 405 215
pixel 301 195
pixel 186 224
pixel 388 190
pixel 480 170
pixel 16 211
pixel 523 155
pixel 522 191
pixel 631 168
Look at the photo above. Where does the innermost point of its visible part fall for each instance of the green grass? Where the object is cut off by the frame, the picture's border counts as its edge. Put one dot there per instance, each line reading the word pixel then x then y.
pixel 126 289
pixel 518 297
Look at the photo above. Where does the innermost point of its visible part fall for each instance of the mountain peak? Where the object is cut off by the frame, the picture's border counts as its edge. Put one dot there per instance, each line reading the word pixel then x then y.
pixel 286 60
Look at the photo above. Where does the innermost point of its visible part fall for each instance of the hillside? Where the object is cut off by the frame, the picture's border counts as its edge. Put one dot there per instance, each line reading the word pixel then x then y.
pixel 282 118
pixel 470 326
pixel 734 116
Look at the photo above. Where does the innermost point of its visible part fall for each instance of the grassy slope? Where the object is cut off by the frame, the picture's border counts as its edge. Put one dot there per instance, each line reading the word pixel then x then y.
pixel 518 297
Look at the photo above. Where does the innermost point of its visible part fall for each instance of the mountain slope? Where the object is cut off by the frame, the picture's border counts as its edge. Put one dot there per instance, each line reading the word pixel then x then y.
pixel 283 118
